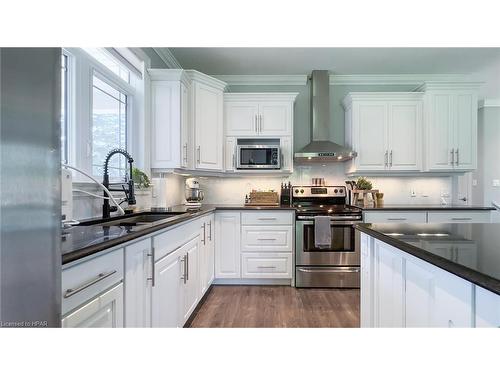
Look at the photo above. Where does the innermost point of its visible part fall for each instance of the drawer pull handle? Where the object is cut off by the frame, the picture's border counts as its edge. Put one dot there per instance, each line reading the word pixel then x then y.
pixel 101 276
pixel 461 218
pixel 266 267
pixel 266 239
pixel 267 218
pixel 396 218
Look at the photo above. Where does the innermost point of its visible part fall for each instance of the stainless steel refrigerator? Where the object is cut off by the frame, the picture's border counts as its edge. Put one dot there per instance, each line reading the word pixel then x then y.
pixel 30 259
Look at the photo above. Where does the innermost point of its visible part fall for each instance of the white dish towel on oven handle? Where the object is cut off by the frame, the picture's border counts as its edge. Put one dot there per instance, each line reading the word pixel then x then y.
pixel 322 232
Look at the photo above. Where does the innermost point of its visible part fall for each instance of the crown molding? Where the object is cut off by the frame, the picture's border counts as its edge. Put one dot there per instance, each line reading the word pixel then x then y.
pixel 168 58
pixel 394 79
pixel 206 79
pixel 264 80
pixel 169 75
pixel 489 103
pixel 260 96
pixel 393 96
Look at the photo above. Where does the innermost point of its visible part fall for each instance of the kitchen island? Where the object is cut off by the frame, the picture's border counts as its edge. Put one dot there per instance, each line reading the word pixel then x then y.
pixel 430 275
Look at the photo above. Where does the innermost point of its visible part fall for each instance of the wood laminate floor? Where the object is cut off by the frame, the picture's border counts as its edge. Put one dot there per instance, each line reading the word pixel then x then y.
pixel 277 306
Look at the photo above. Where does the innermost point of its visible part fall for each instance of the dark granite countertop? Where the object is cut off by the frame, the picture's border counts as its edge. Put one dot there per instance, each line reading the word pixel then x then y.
pixel 84 240
pixel 470 251
pixel 424 207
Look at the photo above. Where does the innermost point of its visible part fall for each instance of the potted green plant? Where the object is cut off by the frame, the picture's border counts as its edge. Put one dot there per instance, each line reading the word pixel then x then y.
pixel 363 184
pixel 142 189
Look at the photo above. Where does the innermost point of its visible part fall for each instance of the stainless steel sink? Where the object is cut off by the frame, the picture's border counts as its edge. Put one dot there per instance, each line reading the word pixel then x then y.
pixel 143 219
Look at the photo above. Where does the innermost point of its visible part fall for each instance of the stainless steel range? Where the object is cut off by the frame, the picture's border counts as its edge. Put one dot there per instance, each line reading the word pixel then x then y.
pixel 328 266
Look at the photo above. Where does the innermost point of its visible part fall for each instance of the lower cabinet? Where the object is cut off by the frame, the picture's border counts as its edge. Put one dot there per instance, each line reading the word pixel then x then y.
pixel 266 265
pixel 103 311
pixel 207 253
pixel 228 243
pixel 138 284
pixel 191 278
pixel 399 290
pixel 487 309
pixel 441 216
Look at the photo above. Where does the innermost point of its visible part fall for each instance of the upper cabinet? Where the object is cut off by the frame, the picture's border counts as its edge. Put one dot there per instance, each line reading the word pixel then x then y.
pixel 450 126
pixel 259 114
pixel 385 129
pixel 187 130
pixel 207 101
pixel 170 125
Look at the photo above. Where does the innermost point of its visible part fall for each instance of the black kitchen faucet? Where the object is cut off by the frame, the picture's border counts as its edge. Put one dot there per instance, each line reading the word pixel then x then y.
pixel 127 188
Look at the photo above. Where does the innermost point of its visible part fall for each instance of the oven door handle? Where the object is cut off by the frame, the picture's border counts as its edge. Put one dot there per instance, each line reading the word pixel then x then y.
pixel 354 218
pixel 332 223
pixel 329 269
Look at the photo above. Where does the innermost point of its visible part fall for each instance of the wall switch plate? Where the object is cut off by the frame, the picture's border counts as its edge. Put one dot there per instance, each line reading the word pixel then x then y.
pixel 496 183
pixel 474 182
pixel 413 193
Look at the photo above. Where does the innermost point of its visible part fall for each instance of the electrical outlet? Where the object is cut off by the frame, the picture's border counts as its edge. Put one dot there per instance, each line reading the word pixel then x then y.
pixel 474 182
pixel 413 193
pixel 496 183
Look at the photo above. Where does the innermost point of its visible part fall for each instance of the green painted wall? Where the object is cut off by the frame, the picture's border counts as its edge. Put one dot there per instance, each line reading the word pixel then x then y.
pixel 302 106
pixel 156 61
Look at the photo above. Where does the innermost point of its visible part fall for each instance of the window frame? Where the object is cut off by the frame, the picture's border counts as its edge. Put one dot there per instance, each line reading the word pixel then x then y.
pixel 80 103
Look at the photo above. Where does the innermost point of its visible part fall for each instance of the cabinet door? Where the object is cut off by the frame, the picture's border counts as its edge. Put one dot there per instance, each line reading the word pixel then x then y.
pixel 453 307
pixel 370 123
pixel 366 289
pixel 165 124
pixel 103 311
pixel 138 258
pixel 420 294
pixel 208 127
pixel 230 154
pixel 211 250
pixel 227 247
pixel 388 286
pixel 241 118
pixel 465 131
pixel 487 309
pixel 167 291
pixel 439 131
pixel 203 257
pixel 275 119
pixel 286 154
pixel 191 289
pixel 186 145
pixel 405 135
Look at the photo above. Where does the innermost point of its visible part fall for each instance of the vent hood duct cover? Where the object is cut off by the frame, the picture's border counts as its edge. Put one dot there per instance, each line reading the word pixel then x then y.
pixel 321 148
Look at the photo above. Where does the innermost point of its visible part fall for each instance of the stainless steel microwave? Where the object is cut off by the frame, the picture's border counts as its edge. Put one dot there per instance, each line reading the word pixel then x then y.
pixel 258 157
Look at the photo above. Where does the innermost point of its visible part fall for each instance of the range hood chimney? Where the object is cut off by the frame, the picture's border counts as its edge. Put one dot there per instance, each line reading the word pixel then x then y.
pixel 321 148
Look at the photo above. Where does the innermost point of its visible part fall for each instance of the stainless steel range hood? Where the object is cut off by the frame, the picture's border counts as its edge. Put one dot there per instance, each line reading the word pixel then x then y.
pixel 321 148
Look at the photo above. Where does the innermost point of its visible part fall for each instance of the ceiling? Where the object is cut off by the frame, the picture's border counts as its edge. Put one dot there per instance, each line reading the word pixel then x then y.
pixel 229 61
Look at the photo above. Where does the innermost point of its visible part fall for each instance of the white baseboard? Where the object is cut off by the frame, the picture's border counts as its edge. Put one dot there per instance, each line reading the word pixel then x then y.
pixel 253 282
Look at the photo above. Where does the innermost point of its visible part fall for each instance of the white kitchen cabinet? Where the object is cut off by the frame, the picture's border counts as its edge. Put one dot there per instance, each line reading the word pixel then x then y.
pixel 207 250
pixel 207 112
pixel 191 290
pixel 388 286
pixel 456 216
pixel 227 244
pixel 366 280
pixel 450 126
pixel 487 308
pixel 286 145
pixel 395 216
pixel 270 238
pixel 266 265
pixel 171 145
pixel 103 311
pixel 419 294
pixel 138 284
pixel 385 129
pixel 167 293
pixel 230 154
pixel 259 114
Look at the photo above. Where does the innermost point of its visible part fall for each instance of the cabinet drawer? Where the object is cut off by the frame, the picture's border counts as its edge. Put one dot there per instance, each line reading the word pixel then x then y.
pixel 266 265
pixel 174 238
pixel 267 217
pixel 84 281
pixel 266 238
pixel 395 217
pixel 466 216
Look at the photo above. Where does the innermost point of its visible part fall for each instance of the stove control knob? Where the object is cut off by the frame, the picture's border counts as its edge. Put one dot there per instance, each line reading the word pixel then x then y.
pixel 336 191
pixel 301 191
pixel 296 191
pixel 341 191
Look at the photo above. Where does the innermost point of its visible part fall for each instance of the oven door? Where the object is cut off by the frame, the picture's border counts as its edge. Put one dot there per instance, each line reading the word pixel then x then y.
pixel 343 251
pixel 258 157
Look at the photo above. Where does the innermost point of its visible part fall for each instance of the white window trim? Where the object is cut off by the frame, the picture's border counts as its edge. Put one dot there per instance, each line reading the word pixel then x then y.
pixel 80 84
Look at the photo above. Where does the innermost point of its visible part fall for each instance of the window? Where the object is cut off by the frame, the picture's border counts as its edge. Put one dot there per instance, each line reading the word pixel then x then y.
pixel 64 109
pixel 110 62
pixel 109 127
